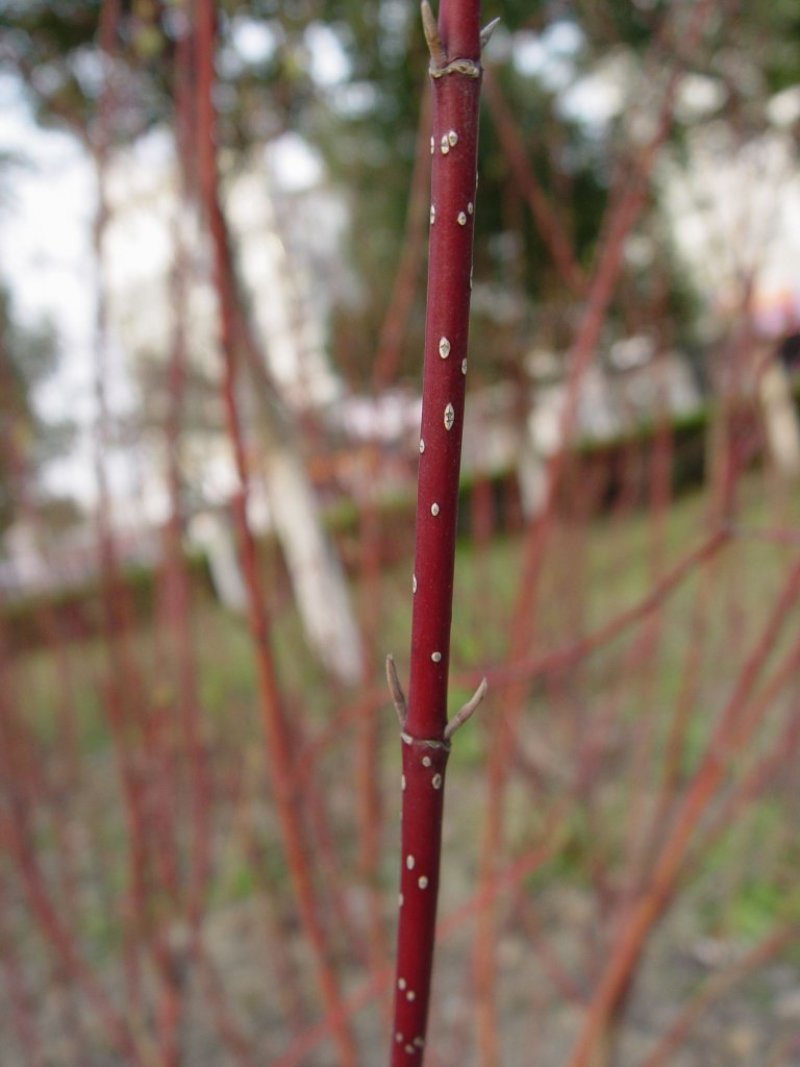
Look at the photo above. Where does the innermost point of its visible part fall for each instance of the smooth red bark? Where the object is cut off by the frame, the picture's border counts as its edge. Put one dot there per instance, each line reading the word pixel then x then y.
pixel 456 89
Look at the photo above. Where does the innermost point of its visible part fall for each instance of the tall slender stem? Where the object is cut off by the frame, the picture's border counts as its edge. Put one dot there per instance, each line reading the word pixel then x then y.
pixel 455 75
pixel 277 728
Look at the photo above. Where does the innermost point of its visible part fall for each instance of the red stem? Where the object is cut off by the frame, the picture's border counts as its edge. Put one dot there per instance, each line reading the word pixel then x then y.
pixel 547 221
pixel 276 725
pixel 409 267
pixel 178 582
pixel 625 207
pixel 667 867
pixel 509 879
pixel 717 987
pixel 456 89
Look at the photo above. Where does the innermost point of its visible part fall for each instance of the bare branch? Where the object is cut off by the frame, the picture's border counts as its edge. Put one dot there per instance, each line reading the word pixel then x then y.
pixel 434 41
pixel 466 712
pixel 396 689
pixel 487 31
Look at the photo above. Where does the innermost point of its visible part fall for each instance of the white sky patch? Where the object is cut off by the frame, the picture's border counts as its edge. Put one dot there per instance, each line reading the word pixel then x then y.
pixel 530 55
pixel 593 101
pixel 254 42
pixel 564 38
pixel 46 259
pixel 548 56
pixel 139 242
pixel 735 211
pixel 598 98
pixel 356 98
pixel 532 59
pixel 698 97
pixel 394 16
pixel 783 109
pixel 45 229
pixel 329 64
pixel 294 163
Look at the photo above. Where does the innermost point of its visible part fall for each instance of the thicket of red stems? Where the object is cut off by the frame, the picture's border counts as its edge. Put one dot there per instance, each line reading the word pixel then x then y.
pixel 628 744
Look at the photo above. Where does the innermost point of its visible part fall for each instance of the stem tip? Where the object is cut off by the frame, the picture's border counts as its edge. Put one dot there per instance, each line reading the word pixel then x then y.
pixel 396 689
pixel 466 711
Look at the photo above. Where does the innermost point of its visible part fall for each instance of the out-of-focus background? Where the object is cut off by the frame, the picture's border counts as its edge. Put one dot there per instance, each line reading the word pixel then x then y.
pixel 213 230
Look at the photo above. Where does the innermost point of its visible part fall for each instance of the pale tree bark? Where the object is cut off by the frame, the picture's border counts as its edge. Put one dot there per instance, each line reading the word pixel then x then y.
pixel 315 571
pixel 316 574
pixel 780 419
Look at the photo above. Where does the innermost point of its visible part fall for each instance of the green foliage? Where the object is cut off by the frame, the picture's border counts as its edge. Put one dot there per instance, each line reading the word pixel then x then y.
pixel 754 909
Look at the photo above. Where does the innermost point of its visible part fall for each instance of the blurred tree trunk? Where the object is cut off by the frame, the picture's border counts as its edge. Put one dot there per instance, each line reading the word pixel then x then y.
pixel 316 574
pixel 780 419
